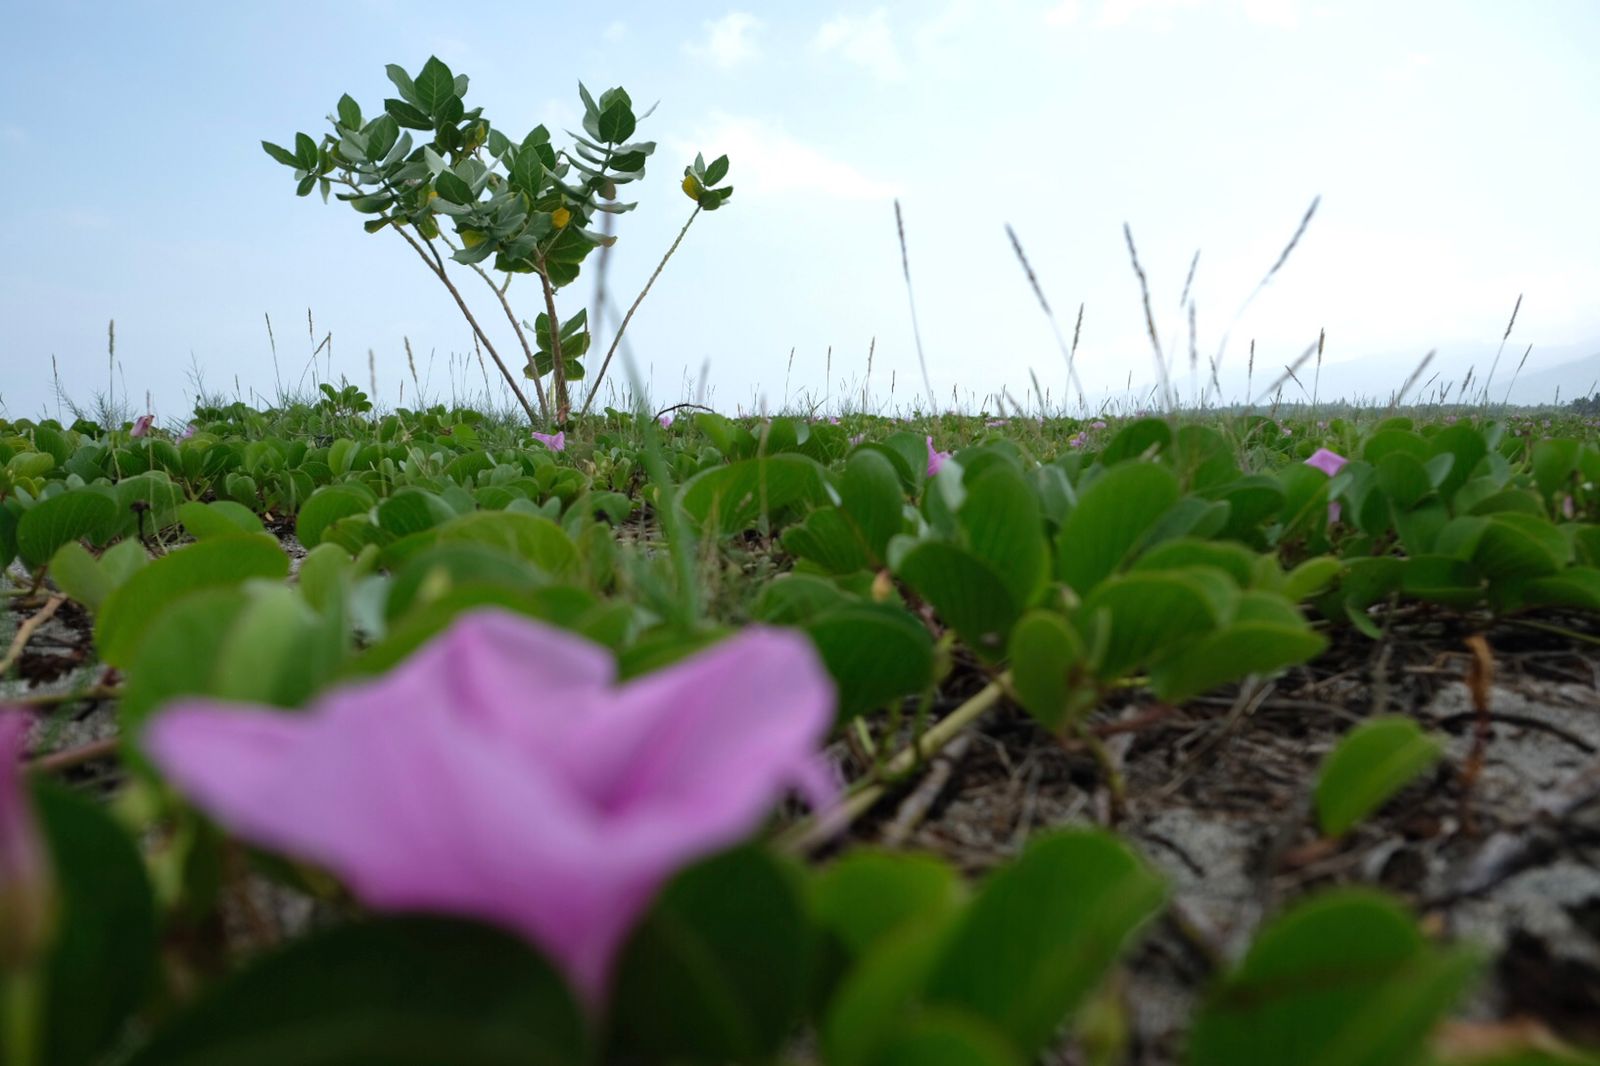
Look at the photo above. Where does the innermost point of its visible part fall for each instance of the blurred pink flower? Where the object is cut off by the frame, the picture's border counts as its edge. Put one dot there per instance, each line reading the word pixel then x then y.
pixel 665 422
pixel 857 439
pixel 1329 463
pixel 556 442
pixel 26 888
pixel 996 423
pixel 1078 440
pixel 936 458
pixel 501 773
pixel 188 431
pixel 1568 510
pixel 141 425
pixel 1097 424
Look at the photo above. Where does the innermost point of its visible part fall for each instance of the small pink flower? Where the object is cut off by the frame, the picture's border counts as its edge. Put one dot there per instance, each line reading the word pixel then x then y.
pixel 27 896
pixel 996 423
pixel 1287 431
pixel 1097 424
pixel 936 458
pixel 1077 441
pixel 833 421
pixel 665 422
pixel 141 425
pixel 1568 510
pixel 1329 463
pixel 188 431
pixel 501 773
pixel 556 442
pixel 857 439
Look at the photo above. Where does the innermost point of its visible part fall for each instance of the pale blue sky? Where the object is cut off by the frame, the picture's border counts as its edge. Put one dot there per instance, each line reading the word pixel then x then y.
pixel 1456 146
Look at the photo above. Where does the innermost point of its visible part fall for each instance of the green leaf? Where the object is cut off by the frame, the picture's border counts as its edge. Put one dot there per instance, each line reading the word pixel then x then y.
pixel 1344 979
pixel 326 506
pixel 1267 635
pixel 1046 657
pixel 435 87
pixel 282 155
pixel 349 113
pixel 452 188
pixel 219 518
pixel 220 562
pixel 1403 479
pixel 867 895
pixel 1111 517
pixel 1371 763
pixel 716 170
pixel 1144 616
pixel 305 152
pixel 617 123
pixel 1520 546
pixel 968 595
pixel 533 538
pixel 875 653
pixel 56 520
pixel 716 972
pixel 402 82
pixel 104 954
pixel 404 991
pixel 1005 529
pixel 1043 934
pixel 738 496
pixel 78 574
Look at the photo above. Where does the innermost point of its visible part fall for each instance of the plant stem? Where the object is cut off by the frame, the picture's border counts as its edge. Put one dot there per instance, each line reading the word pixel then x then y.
pixel 864 794
pixel 522 337
pixel 558 364
pixel 436 265
pixel 606 363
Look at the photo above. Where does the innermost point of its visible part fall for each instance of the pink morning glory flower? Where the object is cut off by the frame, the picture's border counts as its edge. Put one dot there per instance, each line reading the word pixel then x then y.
pixel 665 421
pixel 501 773
pixel 1329 463
pixel 857 439
pixel 936 458
pixel 556 442
pixel 1097 424
pixel 141 425
pixel 1077 441
pixel 996 423
pixel 188 431
pixel 26 889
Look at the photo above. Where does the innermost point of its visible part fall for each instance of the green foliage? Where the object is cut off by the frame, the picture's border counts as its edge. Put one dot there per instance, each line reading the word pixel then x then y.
pixel 1373 762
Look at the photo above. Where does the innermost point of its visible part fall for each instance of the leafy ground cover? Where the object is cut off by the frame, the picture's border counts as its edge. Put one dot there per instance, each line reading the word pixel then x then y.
pixel 1215 738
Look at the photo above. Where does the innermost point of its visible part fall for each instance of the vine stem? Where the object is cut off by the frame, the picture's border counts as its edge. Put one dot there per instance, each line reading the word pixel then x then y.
pixel 26 630
pixel 606 363
pixel 811 833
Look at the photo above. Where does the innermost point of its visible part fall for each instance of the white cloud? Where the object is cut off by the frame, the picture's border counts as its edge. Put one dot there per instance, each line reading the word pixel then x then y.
pixel 1284 14
pixel 1064 13
pixel 866 41
pixel 729 41
pixel 766 160
pixel 1162 15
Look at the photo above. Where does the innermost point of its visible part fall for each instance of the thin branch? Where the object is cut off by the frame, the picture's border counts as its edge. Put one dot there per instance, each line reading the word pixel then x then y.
pixel 612 350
